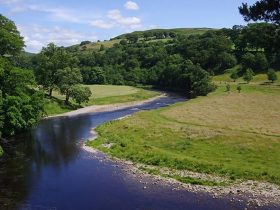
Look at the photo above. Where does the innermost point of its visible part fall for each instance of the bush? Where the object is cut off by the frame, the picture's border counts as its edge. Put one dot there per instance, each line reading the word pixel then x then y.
pixel 234 76
pixel 248 75
pixel 80 94
pixel 271 75
pixel 256 62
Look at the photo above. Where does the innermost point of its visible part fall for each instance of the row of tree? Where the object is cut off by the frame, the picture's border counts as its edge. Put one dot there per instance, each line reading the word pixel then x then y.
pixel 21 103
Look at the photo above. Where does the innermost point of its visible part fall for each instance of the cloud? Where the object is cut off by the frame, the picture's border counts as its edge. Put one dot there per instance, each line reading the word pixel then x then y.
pixel 55 14
pixel 116 19
pixel 127 21
pixel 36 36
pixel 101 24
pixel 130 5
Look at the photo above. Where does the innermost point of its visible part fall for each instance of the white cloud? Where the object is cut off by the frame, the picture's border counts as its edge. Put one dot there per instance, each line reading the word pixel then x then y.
pixel 130 5
pixel 101 24
pixel 55 14
pixel 36 36
pixel 118 18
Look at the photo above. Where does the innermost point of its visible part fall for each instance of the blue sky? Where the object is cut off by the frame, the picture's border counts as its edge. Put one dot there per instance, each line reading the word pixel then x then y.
pixel 68 22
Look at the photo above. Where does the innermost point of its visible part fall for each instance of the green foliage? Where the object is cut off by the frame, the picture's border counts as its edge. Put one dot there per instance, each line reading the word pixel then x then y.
pixel 11 43
pixel 68 77
pixel 84 43
pixel 248 75
pixel 234 75
pixel 1 114
pixel 93 75
pixel 132 38
pixel 80 93
pixel 211 50
pixel 20 104
pixel 238 88
pixel 1 151
pixel 262 10
pixel 256 62
pixel 271 75
pixel 49 61
pixel 228 88
pixel 102 48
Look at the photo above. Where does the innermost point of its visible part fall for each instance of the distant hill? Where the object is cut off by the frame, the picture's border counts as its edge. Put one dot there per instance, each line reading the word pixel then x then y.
pixel 154 35
pixel 178 31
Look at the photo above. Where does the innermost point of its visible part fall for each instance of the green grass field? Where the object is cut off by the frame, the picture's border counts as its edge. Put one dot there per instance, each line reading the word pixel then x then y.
pixel 234 135
pixel 101 95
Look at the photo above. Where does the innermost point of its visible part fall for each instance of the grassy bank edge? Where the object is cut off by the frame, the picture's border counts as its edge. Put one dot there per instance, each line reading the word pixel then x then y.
pixel 56 106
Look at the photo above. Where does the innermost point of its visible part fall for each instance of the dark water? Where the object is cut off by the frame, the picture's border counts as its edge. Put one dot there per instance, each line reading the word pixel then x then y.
pixel 51 171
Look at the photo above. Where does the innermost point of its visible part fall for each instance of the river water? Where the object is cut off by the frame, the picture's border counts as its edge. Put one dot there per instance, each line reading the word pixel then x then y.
pixel 51 171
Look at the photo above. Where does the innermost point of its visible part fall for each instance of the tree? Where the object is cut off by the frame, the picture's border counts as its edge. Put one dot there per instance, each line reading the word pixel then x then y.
pixel 238 88
pixel 271 75
pixel 234 75
pixel 21 104
pixel 248 75
pixel 256 62
pixel 123 42
pixel 49 61
pixel 80 93
pixel 84 43
pixel 11 43
pixel 102 48
pixel 228 87
pixel 1 114
pixel 266 10
pixel 68 77
pixel 132 38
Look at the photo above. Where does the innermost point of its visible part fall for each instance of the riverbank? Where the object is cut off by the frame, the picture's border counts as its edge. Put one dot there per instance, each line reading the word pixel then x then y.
pixel 101 95
pixel 230 135
pixel 253 193
pixel 108 107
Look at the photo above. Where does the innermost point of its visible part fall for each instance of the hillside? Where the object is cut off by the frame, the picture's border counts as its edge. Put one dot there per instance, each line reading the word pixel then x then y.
pixel 178 31
pixel 154 35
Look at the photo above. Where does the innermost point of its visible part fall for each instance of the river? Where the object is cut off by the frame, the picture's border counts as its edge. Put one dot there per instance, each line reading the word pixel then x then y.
pixel 51 171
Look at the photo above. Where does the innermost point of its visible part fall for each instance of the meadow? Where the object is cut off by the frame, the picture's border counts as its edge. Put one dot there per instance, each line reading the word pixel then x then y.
pixel 101 95
pixel 229 134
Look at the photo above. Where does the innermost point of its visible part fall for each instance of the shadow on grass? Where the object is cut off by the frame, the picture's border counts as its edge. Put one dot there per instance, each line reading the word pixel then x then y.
pixel 61 103
pixel 266 83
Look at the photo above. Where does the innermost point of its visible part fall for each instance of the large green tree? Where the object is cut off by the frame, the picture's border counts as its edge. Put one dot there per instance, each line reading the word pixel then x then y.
pixel 21 103
pixel 11 43
pixel 68 78
pixel 51 59
pixel 265 10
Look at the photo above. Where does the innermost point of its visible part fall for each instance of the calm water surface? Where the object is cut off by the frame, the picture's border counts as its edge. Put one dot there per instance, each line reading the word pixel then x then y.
pixel 51 171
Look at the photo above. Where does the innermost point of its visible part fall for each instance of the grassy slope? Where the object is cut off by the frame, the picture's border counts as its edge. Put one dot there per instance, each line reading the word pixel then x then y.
pixel 101 94
pixel 231 134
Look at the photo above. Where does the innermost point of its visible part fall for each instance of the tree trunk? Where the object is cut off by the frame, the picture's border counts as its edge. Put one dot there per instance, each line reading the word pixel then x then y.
pixel 67 99
pixel 50 92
